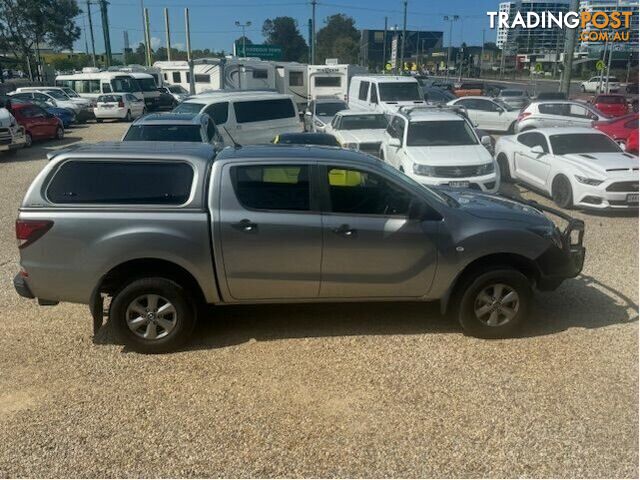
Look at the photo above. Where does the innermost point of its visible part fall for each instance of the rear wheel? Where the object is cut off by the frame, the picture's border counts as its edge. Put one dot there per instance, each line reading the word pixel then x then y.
pixel 28 140
pixel 127 118
pixel 153 315
pixel 99 120
pixel 503 164
pixel 59 133
pixel 561 192
pixel 494 303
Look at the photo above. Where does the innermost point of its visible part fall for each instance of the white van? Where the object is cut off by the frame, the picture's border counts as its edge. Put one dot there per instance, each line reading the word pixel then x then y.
pixel 292 79
pixel 246 117
pixel 332 80
pixel 150 91
pixel 133 67
pixel 92 83
pixel 384 93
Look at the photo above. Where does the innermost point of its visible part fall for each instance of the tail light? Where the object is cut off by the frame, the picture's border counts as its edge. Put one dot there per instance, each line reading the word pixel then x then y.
pixel 28 231
pixel 523 115
pixel 120 104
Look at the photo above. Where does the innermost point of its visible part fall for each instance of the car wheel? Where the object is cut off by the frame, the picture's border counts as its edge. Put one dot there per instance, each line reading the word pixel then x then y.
pixel 584 90
pixel 127 118
pixel 28 140
pixel 153 315
pixel 59 133
pixel 503 165
pixel 512 128
pixel 494 303
pixel 561 192
pixel 99 120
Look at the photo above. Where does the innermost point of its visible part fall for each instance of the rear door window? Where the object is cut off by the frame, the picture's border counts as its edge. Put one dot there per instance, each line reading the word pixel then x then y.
pixel 272 187
pixel 121 183
pixel 264 110
pixel 219 112
pixel 364 88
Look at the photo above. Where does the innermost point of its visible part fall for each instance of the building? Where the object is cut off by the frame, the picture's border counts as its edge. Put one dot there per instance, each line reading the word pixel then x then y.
pixel 536 41
pixel 375 44
pixel 609 6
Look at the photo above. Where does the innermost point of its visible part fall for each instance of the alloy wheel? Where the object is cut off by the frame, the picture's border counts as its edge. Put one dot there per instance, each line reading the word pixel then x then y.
pixel 496 304
pixel 151 317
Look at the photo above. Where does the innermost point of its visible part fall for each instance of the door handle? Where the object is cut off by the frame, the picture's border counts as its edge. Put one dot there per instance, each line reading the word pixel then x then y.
pixel 245 225
pixel 345 231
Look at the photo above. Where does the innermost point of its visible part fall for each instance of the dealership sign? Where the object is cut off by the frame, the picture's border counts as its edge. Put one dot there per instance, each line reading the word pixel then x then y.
pixel 263 52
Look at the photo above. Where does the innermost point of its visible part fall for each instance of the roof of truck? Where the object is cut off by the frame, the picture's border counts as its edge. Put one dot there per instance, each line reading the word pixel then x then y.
pixel 299 152
pixel 171 118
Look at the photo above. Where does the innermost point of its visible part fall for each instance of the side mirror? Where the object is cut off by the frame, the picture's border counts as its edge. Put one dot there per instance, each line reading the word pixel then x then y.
pixel 417 210
pixel 395 142
pixel 537 150
pixel 486 141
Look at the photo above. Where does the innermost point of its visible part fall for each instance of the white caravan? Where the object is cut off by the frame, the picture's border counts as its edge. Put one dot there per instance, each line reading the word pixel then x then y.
pixel 332 80
pixel 220 74
pixel 292 79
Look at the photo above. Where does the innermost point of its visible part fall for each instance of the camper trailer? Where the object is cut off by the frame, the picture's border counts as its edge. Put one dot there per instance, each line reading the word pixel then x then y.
pixel 292 79
pixel 332 80
pixel 220 74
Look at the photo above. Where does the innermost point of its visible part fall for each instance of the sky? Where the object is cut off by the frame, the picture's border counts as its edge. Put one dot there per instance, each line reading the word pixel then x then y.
pixel 213 21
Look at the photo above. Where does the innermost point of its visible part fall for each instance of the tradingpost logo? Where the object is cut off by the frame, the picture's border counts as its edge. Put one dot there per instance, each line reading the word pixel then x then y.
pixel 603 26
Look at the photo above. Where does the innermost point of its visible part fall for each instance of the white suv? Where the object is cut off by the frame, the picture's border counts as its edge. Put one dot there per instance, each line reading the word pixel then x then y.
pixel 438 148
pixel 593 85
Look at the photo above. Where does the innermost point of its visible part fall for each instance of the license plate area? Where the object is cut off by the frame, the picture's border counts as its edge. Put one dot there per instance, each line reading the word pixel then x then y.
pixel 459 184
pixel 632 198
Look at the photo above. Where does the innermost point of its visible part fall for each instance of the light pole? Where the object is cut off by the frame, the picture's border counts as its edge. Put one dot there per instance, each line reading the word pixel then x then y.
pixel 404 34
pixel 244 38
pixel 450 19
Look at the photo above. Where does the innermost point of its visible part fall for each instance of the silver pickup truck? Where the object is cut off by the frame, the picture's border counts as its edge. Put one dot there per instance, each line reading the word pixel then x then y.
pixel 157 230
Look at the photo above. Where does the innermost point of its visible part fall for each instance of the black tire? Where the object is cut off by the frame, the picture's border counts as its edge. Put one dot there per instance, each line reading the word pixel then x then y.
pixel 503 165
pixel 99 120
pixel 183 320
pixel 59 133
pixel 584 90
pixel 128 117
pixel 482 284
pixel 512 128
pixel 561 192
pixel 28 140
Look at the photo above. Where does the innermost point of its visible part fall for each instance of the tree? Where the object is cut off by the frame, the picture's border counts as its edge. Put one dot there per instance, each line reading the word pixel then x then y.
pixel 26 25
pixel 284 32
pixel 339 38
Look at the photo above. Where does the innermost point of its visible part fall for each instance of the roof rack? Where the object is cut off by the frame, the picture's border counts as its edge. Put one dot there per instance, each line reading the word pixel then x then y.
pixel 456 109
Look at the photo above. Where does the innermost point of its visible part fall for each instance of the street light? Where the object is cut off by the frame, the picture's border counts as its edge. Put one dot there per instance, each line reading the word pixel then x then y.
pixel 450 19
pixel 244 38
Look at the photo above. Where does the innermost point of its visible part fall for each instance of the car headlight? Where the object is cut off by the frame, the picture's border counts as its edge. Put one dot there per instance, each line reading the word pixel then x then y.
pixel 594 182
pixel 350 145
pixel 424 170
pixel 486 169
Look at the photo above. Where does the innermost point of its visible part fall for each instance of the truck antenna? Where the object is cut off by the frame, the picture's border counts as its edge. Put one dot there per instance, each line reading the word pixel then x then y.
pixel 235 144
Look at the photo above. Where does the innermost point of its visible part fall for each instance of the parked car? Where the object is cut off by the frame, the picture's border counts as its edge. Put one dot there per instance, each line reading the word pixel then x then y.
pixel 632 87
pixel 119 106
pixel 246 117
pixel 632 143
pixel 560 113
pixel 492 89
pixel 593 85
pixel 321 111
pixel 174 230
pixel 488 114
pixel 85 106
pixel 307 138
pixel 53 99
pixel 438 148
pixel 384 93
pixel 544 96
pixel 437 96
pixel 514 98
pixel 37 123
pixel 579 167
pixel 12 134
pixel 166 101
pixel 174 127
pixel 467 89
pixel 67 117
pixel 612 105
pixel 618 128
pixel 359 130
pixel 176 91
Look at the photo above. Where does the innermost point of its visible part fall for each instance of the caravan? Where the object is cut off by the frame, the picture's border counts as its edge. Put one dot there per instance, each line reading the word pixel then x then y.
pixel 220 74
pixel 331 80
pixel 292 79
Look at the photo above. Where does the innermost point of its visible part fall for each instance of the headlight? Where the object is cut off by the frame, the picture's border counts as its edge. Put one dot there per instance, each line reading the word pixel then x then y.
pixel 352 146
pixel 589 181
pixel 424 170
pixel 486 169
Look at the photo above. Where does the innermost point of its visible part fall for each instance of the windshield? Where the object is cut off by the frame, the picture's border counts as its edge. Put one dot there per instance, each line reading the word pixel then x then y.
pixel 330 109
pixel 57 94
pixel 109 98
pixel 176 89
pixel 403 177
pixel 147 84
pixel 124 84
pixel 438 134
pixel 164 133
pixel 360 122
pixel 188 107
pixel 583 143
pixel 506 106
pixel 512 93
pixel 71 93
pixel 399 91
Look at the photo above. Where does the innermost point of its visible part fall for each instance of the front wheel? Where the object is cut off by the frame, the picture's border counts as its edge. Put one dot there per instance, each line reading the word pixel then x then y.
pixel 503 165
pixel 494 304
pixel 59 133
pixel 28 140
pixel 562 193
pixel 153 315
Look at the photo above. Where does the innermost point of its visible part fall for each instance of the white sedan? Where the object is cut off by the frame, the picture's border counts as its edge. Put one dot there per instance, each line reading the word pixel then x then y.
pixel 579 167
pixel 359 130
pixel 488 113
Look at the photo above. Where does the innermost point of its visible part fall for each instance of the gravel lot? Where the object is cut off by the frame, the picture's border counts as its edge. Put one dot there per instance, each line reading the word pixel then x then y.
pixel 364 390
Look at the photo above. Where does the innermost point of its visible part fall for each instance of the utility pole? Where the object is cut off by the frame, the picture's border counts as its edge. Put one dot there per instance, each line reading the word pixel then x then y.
pixel 310 38
pixel 313 31
pixel 570 44
pixel 167 33
pixel 384 44
pixel 482 54
pixel 86 43
pixel 610 51
pixel 147 47
pixel 147 35
pixel 450 19
pixel 105 31
pixel 192 85
pixel 404 34
pixel 93 43
pixel 244 37
pixel 125 35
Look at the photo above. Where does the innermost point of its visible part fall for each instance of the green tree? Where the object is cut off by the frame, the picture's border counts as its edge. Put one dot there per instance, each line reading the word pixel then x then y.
pixel 339 39
pixel 27 25
pixel 284 32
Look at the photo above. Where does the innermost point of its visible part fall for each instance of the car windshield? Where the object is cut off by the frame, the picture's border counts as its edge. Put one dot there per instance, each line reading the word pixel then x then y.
pixel 124 84
pixel 403 177
pixel 176 89
pixel 188 107
pixel 399 91
pixel 360 122
pixel 330 109
pixel 57 94
pixel 164 133
pixel 70 92
pixel 147 84
pixel 512 93
pixel 440 134
pixel 506 106
pixel 582 143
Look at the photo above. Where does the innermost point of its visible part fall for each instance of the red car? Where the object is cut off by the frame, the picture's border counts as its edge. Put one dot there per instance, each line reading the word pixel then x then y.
pixel 612 105
pixel 37 122
pixel 632 142
pixel 619 128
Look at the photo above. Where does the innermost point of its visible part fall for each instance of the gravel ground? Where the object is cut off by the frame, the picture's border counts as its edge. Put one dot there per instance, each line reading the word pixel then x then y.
pixel 364 390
